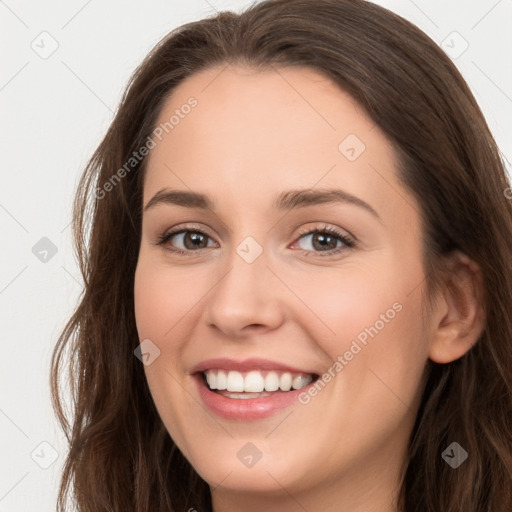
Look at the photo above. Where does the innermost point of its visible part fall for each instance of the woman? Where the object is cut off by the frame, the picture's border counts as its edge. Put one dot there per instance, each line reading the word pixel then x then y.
pixel 298 279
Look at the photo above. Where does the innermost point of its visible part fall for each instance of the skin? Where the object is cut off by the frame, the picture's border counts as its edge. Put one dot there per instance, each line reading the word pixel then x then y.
pixel 253 135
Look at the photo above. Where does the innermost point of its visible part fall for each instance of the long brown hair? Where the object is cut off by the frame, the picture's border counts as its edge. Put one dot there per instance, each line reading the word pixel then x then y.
pixel 121 457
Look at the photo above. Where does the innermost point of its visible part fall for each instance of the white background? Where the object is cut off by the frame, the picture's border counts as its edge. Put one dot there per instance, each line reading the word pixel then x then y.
pixel 55 112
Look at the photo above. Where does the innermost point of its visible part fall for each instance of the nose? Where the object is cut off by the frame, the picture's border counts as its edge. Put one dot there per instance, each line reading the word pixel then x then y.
pixel 247 298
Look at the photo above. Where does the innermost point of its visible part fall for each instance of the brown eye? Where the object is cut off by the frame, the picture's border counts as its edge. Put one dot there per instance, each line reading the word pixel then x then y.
pixel 324 240
pixel 185 240
pixel 194 240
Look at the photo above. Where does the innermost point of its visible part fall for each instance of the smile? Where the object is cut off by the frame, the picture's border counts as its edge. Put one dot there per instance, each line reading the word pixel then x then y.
pixel 250 389
pixel 254 383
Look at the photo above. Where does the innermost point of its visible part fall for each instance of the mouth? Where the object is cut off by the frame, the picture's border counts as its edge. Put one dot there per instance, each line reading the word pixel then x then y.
pixel 254 384
pixel 275 391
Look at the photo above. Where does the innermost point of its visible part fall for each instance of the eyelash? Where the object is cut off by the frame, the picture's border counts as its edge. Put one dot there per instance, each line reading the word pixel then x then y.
pixel 348 242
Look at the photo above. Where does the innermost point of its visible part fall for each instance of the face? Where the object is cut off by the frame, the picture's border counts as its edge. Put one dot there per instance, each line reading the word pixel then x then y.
pixel 280 287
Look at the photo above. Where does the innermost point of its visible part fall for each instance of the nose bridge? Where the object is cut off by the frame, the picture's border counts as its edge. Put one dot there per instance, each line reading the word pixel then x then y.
pixel 247 273
pixel 244 294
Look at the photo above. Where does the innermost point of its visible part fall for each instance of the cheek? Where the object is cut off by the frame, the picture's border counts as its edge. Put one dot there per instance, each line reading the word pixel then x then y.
pixel 161 305
pixel 369 321
pixel 378 350
pixel 163 299
pixel 339 303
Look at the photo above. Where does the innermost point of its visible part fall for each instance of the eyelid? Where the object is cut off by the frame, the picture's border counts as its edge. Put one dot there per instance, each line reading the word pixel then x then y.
pixel 188 227
pixel 180 228
pixel 347 239
pixel 341 233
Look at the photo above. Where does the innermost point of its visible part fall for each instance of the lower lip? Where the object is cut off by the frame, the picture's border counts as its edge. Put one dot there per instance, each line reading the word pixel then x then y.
pixel 250 408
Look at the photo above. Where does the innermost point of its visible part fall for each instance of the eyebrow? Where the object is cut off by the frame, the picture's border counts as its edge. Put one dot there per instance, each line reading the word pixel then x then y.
pixel 284 201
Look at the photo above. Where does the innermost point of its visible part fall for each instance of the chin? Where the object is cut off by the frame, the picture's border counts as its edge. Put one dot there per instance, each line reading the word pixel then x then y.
pixel 264 476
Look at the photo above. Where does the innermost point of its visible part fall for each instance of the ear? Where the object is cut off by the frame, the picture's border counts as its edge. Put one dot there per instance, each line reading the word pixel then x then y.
pixel 459 318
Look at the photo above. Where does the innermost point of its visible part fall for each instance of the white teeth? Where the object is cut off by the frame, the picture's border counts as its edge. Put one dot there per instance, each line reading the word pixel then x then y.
pixel 255 381
pixel 285 383
pixel 221 380
pixel 244 396
pixel 235 382
pixel 212 380
pixel 271 382
pixel 301 380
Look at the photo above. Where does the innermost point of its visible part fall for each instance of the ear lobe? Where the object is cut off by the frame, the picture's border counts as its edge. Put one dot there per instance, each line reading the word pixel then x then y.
pixel 460 318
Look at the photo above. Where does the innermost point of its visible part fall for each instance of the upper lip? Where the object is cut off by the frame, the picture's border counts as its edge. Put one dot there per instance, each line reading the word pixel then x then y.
pixel 245 365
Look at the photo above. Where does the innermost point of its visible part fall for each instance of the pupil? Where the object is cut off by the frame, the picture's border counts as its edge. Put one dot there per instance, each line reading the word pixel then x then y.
pixel 197 239
pixel 323 240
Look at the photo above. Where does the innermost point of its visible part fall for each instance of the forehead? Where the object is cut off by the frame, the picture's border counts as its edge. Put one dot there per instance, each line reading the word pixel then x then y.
pixel 252 133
